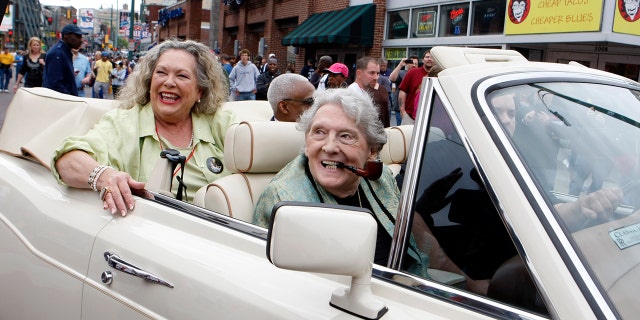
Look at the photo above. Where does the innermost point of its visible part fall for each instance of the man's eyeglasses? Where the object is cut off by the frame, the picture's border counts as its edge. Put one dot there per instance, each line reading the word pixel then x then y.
pixel 307 101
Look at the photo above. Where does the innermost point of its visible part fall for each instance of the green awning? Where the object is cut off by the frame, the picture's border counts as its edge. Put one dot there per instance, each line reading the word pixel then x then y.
pixel 353 25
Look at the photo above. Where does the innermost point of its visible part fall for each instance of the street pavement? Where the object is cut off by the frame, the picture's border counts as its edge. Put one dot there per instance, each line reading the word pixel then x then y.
pixel 6 97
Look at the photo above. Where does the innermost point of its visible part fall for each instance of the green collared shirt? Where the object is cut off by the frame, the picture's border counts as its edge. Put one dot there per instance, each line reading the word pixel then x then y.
pixel 126 139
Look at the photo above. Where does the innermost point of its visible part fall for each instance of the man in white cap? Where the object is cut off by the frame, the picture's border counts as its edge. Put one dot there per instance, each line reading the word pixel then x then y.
pixel 265 65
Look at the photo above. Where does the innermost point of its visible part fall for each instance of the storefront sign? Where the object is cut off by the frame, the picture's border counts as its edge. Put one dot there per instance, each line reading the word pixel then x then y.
pixel 552 16
pixel 626 17
pixel 425 25
pixel 395 53
pixel 165 15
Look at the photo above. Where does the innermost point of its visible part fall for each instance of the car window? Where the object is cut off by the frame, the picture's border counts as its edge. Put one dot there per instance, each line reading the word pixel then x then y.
pixel 580 142
pixel 452 200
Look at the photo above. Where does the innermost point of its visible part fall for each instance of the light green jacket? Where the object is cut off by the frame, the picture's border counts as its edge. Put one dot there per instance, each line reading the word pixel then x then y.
pixel 126 139
pixel 291 184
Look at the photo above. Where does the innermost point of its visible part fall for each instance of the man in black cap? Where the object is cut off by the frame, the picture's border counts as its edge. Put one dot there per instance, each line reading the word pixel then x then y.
pixel 58 70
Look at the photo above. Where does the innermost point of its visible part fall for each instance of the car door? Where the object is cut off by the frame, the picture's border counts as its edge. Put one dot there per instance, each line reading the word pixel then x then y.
pixel 45 242
pixel 462 214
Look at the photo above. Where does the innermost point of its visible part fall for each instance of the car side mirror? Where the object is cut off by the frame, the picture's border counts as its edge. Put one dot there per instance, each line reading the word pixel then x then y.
pixel 321 238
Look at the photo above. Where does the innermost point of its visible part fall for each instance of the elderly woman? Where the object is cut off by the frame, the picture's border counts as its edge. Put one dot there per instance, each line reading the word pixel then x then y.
pixel 342 129
pixel 170 101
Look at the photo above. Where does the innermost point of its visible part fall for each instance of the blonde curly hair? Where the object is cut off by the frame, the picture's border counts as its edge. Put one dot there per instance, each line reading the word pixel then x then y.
pixel 211 78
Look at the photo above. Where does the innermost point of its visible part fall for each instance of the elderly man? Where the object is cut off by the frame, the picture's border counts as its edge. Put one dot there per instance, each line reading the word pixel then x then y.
pixel 58 66
pixel 289 95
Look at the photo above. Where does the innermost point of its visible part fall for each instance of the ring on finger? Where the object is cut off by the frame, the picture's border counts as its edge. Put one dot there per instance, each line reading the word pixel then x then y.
pixel 104 192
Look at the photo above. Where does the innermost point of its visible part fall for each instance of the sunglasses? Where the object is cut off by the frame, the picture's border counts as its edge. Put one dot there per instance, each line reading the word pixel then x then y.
pixel 307 101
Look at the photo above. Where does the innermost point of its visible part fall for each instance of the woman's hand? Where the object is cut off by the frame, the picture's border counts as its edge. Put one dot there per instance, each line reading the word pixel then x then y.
pixel 116 194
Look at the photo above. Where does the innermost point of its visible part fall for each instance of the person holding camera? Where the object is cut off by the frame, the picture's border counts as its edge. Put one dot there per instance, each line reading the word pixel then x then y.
pixel 396 77
pixel 410 86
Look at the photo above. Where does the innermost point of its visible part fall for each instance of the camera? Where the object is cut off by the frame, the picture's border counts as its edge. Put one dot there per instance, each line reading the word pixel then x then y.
pixel 408 61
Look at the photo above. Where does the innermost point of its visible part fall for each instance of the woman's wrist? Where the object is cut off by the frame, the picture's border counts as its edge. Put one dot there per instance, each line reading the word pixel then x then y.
pixel 95 175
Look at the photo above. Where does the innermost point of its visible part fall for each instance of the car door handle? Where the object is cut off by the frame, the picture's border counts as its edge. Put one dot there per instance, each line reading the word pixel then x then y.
pixel 117 263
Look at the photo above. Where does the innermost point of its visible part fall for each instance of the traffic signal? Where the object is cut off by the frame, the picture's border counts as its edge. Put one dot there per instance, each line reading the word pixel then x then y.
pixel 10 33
pixel 49 20
pixel 75 20
pixel 68 13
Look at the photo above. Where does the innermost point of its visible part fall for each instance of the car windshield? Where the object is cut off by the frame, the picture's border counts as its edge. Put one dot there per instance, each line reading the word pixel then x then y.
pixel 580 143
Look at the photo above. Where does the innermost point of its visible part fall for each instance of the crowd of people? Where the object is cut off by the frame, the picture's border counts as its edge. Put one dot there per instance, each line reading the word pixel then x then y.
pixel 250 79
pixel 103 74
pixel 66 67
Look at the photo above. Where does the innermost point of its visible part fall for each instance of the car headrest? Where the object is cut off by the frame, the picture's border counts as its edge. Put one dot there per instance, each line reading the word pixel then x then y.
pixel 261 146
pixel 250 110
pixel 39 119
pixel 397 147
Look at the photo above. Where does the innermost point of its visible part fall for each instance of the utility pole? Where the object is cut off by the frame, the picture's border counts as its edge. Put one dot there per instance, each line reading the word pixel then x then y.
pixel 111 26
pixel 214 16
pixel 131 22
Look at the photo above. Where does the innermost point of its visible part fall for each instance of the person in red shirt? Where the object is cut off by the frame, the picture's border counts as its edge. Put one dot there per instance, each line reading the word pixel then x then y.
pixel 410 86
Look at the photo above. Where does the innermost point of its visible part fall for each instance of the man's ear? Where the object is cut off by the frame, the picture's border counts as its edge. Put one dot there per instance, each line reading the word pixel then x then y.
pixel 282 106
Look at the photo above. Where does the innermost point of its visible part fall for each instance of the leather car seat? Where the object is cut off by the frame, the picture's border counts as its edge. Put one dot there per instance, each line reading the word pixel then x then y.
pixel 254 151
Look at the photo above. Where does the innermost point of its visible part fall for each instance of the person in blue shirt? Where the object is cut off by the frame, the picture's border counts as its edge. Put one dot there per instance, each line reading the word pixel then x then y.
pixel 18 61
pixel 82 70
pixel 58 68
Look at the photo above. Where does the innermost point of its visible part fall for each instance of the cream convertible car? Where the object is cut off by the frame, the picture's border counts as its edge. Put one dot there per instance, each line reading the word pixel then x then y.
pixel 501 147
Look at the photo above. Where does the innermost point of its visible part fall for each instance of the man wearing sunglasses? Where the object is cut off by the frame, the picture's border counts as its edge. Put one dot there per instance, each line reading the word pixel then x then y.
pixel 289 95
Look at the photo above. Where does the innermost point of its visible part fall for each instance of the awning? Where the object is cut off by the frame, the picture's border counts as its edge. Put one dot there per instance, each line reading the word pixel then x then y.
pixel 353 25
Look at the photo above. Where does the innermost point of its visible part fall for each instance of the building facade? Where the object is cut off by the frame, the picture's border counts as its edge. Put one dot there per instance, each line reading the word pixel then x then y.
pixel 298 30
pixel 603 34
pixel 596 33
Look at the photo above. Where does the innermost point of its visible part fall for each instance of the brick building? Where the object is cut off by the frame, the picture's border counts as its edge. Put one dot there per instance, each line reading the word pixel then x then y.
pixel 297 30
pixel 182 21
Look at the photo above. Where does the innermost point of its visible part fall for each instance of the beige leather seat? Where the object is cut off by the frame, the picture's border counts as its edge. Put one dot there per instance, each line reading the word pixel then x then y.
pixel 394 153
pixel 38 119
pixel 251 110
pixel 254 152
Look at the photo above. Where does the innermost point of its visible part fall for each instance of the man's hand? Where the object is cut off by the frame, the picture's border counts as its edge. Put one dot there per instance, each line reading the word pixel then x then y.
pixel 594 208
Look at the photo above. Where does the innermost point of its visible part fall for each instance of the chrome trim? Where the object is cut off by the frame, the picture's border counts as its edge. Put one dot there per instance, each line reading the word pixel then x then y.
pixel 567 249
pixel 106 277
pixel 402 228
pixel 211 216
pixel 114 261
pixel 462 299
